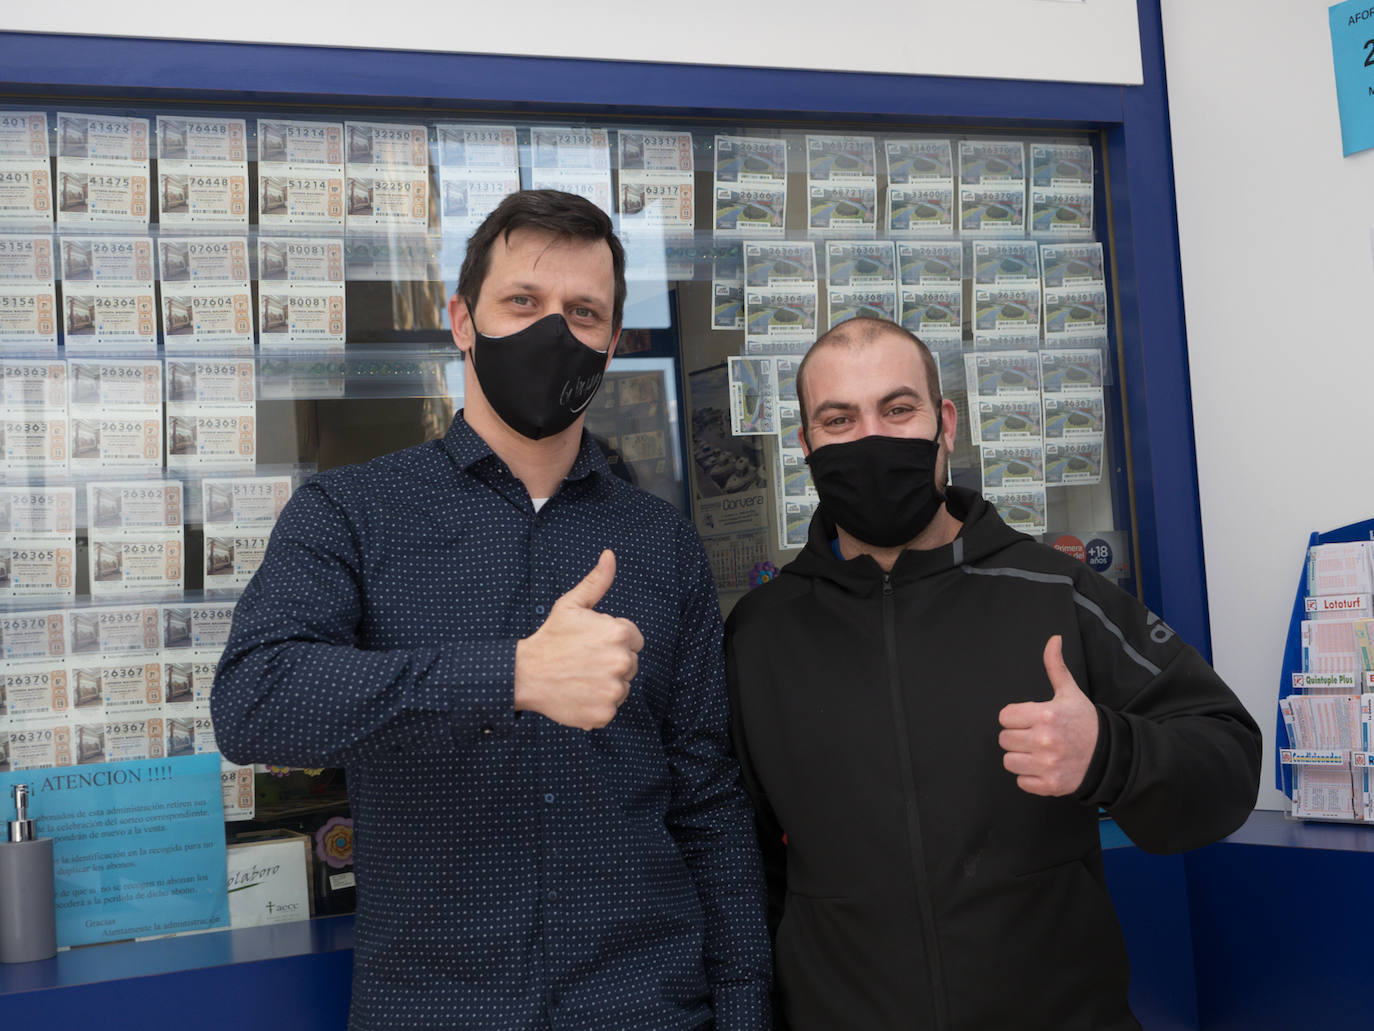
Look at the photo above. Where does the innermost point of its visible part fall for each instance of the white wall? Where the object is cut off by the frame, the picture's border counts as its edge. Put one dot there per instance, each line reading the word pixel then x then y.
pixel 1074 41
pixel 1278 281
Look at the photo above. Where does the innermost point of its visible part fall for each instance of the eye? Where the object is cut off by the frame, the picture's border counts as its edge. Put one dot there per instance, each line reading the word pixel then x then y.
pixel 585 314
pixel 900 410
pixel 520 300
pixel 836 422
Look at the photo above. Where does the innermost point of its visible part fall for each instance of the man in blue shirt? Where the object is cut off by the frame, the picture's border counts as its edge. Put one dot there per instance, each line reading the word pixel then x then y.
pixel 517 657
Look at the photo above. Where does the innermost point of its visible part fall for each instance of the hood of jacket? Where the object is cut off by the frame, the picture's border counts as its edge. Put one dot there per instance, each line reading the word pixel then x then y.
pixel 982 535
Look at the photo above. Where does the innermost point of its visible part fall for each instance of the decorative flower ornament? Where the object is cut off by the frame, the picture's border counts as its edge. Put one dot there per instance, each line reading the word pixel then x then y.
pixel 334 842
pixel 762 573
pixel 279 771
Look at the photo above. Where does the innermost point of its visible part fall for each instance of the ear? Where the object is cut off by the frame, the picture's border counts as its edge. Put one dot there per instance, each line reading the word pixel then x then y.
pixel 805 444
pixel 949 423
pixel 460 324
pixel 610 351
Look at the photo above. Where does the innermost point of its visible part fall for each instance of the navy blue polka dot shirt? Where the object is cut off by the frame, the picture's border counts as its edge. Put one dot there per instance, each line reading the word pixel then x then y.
pixel 512 872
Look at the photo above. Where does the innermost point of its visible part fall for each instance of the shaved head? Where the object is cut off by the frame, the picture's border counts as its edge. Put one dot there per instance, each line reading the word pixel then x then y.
pixel 855 333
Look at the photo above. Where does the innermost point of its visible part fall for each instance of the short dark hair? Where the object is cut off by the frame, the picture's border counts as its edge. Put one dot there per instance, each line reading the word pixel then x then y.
pixel 565 215
pixel 864 331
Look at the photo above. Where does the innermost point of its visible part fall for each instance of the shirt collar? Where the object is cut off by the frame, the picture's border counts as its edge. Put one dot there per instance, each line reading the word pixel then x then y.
pixel 467 448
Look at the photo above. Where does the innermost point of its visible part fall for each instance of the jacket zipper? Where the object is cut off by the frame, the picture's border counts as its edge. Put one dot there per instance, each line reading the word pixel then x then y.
pixel 913 823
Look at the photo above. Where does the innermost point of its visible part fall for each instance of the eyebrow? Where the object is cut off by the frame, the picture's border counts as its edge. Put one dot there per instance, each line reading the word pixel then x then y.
pixel 849 406
pixel 533 288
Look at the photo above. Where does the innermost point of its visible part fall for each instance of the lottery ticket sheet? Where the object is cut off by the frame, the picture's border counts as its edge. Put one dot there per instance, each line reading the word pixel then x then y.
pixel 202 173
pixel 479 165
pixel 207 304
pixel 26 194
pixel 28 298
pixel 102 170
pixel 1072 264
pixel 301 293
pixel 386 176
pixel 300 175
pixel 656 187
pixel 108 301
pixel 930 262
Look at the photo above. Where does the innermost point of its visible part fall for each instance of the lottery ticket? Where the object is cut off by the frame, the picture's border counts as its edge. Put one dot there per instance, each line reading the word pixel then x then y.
pixel 130 441
pixel 919 161
pixel 1072 369
pixel 1072 264
pixel 1015 419
pixel 25 180
pixel 932 310
pixel 35 691
pixel 205 436
pixel 860 303
pixel 1065 211
pixel 210 381
pixel 244 501
pixel 992 210
pixel 1075 311
pixel 795 523
pixel 42 745
pixel 468 197
pixel 202 172
pixel 991 161
pixel 844 209
pixel 1061 164
pixel 1006 307
pixel 841 158
pixel 1073 461
pixel 236 782
pixel 99 385
pixel 32 567
pixel 108 300
pixel 756 346
pixel 1013 466
pixel 131 684
pixel 26 259
pixel 37 510
pixel 28 300
pixel 796 475
pixel 780 312
pixel 197 625
pixel 1074 416
pixel 920 210
pixel 34 635
pixel 28 318
pixel 930 262
pixel 753 396
pixel 670 206
pixel 300 174
pixel 992 373
pixel 573 159
pixel 750 159
pixel 756 209
pixel 134 505
pixel 99 261
pixel 34 444
pixel 1021 509
pixel 115 630
pixel 727 305
pixel 102 170
pixel 136 735
pixel 189 678
pixel 121 564
pixel 192 736
pixel 860 264
pixel 209 319
pixel 33 384
pixel 231 558
pixel 785 369
pixel 1005 261
pixel 387 175
pixel 789 425
pixel 789 266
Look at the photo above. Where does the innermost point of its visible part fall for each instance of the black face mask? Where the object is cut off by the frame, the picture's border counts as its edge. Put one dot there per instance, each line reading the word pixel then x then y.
pixel 540 379
pixel 880 489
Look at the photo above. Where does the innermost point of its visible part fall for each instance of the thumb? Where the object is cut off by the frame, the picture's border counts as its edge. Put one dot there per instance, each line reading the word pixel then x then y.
pixel 594 585
pixel 1059 676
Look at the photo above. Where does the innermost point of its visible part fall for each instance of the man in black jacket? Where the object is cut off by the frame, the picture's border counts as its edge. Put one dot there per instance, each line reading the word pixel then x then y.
pixel 929 707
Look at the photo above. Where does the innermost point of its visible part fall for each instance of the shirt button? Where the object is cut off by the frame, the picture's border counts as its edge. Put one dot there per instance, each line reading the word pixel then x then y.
pixel 487 729
pixel 553 895
pixel 549 797
pixel 539 610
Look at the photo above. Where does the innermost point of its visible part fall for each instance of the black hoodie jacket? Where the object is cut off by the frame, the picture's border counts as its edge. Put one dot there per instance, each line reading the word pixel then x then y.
pixel 923 888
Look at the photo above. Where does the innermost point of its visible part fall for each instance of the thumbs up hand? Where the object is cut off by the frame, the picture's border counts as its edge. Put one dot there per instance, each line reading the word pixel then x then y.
pixel 576 668
pixel 1049 745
